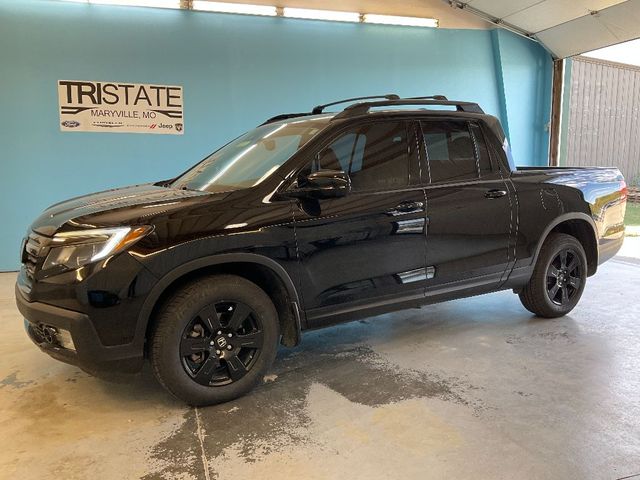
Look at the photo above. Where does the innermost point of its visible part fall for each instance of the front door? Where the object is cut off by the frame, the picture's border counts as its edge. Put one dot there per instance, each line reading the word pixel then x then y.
pixel 469 206
pixel 367 248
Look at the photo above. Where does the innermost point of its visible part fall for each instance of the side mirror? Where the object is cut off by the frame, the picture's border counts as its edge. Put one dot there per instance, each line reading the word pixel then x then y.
pixel 322 184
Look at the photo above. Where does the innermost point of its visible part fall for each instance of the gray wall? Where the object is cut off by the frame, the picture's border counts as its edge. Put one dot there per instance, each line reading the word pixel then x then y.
pixel 604 117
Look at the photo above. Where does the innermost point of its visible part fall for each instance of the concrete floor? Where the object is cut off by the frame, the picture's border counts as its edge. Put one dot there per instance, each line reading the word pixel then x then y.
pixel 476 388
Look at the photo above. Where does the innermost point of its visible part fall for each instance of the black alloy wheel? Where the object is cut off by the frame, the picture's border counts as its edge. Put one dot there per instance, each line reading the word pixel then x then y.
pixel 564 277
pixel 213 339
pixel 558 279
pixel 222 343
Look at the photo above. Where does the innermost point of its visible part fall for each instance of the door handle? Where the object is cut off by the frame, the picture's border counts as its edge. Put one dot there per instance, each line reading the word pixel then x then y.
pixel 405 208
pixel 495 193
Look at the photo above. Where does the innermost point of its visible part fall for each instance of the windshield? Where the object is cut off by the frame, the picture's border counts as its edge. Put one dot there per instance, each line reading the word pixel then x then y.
pixel 251 158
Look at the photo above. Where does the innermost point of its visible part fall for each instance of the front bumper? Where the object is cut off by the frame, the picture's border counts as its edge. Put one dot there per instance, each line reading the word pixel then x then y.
pixel 89 354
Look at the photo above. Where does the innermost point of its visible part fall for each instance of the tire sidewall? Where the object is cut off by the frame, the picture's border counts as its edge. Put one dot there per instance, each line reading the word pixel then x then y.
pixel 167 361
pixel 564 243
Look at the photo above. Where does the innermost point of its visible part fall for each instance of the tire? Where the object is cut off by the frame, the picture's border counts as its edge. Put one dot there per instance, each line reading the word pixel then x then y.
pixel 544 295
pixel 192 349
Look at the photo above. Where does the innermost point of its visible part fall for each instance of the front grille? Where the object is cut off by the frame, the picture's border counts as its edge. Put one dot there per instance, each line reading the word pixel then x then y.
pixel 35 251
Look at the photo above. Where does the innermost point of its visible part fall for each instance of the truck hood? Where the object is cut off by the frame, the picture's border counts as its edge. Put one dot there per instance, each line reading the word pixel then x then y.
pixel 127 205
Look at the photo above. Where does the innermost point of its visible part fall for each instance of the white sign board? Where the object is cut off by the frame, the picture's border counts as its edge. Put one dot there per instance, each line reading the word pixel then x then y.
pixel 120 107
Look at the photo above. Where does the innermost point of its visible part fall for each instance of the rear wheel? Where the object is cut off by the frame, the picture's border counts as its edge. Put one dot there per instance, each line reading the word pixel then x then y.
pixel 558 278
pixel 214 339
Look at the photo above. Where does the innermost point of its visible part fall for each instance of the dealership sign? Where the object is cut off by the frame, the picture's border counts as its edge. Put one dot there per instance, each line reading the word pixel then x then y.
pixel 120 107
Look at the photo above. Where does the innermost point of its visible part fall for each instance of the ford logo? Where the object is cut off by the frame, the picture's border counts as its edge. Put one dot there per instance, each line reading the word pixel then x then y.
pixel 70 124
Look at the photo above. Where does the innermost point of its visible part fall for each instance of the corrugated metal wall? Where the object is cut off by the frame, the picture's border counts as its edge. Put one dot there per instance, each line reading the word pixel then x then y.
pixel 604 116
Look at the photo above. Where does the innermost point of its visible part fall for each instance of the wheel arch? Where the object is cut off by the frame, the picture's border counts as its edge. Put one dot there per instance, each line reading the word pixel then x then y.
pixel 263 271
pixel 582 227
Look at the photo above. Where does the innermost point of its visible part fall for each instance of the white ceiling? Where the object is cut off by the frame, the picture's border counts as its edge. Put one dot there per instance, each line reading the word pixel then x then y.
pixel 565 27
pixel 447 16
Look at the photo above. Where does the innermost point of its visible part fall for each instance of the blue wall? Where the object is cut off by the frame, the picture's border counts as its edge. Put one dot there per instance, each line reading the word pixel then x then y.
pixel 524 79
pixel 236 71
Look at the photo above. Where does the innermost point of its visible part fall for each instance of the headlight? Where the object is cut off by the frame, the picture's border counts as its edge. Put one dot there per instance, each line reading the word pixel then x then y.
pixel 81 247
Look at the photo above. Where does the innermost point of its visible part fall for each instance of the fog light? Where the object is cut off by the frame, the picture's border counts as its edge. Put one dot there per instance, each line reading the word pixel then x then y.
pixel 63 338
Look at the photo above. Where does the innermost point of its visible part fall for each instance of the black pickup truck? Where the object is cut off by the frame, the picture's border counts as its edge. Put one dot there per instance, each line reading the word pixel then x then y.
pixel 308 220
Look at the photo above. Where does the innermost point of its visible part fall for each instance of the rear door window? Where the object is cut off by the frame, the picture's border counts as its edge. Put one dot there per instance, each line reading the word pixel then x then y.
pixel 451 151
pixel 484 160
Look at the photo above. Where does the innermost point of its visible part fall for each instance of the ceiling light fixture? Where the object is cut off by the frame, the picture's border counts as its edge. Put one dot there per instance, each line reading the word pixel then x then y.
pixel 140 3
pixel 330 15
pixel 405 21
pixel 242 8
pixel 272 11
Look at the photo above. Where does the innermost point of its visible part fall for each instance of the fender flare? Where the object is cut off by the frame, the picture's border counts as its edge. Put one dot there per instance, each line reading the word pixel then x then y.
pixel 220 259
pixel 563 218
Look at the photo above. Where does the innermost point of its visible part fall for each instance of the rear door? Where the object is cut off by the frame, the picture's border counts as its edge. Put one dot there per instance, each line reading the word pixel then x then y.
pixel 367 248
pixel 469 207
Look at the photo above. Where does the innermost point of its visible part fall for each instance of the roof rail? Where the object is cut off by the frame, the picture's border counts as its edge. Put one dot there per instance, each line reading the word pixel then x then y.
pixel 364 107
pixel 432 97
pixel 390 100
pixel 319 109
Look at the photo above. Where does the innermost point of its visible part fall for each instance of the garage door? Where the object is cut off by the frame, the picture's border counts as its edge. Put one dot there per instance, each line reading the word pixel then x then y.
pixel 565 28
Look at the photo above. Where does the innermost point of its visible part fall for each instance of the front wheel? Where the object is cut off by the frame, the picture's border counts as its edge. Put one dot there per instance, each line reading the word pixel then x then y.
pixel 214 339
pixel 558 278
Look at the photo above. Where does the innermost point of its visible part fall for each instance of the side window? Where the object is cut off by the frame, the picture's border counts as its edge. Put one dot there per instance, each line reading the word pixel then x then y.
pixel 374 155
pixel 450 151
pixel 484 161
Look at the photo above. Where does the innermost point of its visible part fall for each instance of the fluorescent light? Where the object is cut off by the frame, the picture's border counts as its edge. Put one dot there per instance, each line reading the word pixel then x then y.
pixel 272 11
pixel 406 21
pixel 140 3
pixel 321 14
pixel 241 8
